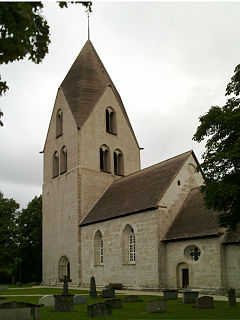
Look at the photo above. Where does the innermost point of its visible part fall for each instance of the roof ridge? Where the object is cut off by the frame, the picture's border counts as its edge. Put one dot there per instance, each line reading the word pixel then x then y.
pixel 153 165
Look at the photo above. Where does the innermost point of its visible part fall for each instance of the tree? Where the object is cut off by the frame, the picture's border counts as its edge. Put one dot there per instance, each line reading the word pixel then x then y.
pixel 29 223
pixel 221 160
pixel 8 231
pixel 24 33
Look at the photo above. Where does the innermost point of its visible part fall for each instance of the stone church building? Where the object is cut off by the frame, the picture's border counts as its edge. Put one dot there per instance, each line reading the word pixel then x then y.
pixel 105 217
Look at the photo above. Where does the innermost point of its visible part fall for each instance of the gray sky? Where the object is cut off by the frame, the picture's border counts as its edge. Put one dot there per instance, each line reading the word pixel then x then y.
pixel 169 61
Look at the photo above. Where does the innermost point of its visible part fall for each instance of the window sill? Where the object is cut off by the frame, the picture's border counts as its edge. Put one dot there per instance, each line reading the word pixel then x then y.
pixel 59 135
pixel 63 172
pixel 129 264
pixel 55 176
pixel 99 265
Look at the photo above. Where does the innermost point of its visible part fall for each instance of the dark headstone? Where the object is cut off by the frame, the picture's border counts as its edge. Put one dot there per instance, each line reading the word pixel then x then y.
pixel 232 298
pixel 116 303
pixel 108 293
pixel 170 294
pixel 156 306
pixel 116 286
pixel 19 310
pixel 79 299
pixel 131 298
pixel 65 284
pixel 93 291
pixel 204 302
pixel 189 296
pixel 99 310
pixel 63 302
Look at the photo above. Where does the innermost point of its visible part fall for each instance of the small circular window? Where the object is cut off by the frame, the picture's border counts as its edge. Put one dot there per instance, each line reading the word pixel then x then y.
pixel 192 253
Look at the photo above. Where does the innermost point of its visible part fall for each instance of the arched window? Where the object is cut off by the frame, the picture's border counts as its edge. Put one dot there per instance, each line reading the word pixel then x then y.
pixel 101 250
pixel 111 120
pixel 63 268
pixel 63 159
pixel 59 123
pixel 98 248
pixel 132 252
pixel 55 164
pixel 105 159
pixel 128 245
pixel 118 162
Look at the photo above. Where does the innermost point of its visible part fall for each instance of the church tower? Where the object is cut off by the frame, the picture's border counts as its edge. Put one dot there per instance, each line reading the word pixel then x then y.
pixel 90 142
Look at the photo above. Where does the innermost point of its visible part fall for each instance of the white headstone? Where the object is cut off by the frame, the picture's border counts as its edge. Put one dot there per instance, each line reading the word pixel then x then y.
pixel 48 301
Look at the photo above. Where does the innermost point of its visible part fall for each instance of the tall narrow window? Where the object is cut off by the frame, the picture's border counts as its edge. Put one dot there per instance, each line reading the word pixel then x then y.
pixel 63 159
pixel 111 120
pixel 118 162
pixel 132 252
pixel 59 123
pixel 63 268
pixel 55 164
pixel 101 250
pixel 98 248
pixel 105 159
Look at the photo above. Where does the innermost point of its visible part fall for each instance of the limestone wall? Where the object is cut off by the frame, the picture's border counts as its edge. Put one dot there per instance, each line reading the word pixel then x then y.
pixel 60 198
pixel 233 266
pixel 204 273
pixel 144 273
pixel 175 195
pixel 93 134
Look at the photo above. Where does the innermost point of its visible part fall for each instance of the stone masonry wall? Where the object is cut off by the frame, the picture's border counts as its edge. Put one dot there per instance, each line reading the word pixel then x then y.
pixel 60 198
pixel 144 273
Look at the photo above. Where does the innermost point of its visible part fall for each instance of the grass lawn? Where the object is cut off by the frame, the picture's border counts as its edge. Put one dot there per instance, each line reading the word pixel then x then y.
pixel 175 310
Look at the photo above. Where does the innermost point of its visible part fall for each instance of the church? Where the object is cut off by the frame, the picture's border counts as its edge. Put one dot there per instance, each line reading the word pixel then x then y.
pixel 105 217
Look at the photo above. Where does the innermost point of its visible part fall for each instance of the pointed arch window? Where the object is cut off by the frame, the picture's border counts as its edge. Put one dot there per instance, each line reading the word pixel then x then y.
pixel 105 165
pixel 55 164
pixel 111 120
pixel 118 162
pixel 59 123
pixel 98 248
pixel 63 159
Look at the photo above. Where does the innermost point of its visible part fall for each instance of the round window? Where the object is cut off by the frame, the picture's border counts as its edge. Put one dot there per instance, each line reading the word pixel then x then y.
pixel 192 253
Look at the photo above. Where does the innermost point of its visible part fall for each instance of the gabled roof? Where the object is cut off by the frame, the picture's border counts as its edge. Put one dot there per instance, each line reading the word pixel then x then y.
pixel 85 83
pixel 193 220
pixel 138 192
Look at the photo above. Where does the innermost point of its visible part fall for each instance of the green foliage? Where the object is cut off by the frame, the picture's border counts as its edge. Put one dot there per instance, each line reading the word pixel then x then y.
pixel 8 230
pixel 25 33
pixel 221 160
pixel 30 240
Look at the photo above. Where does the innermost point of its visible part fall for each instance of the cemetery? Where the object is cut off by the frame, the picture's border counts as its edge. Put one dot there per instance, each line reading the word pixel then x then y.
pixel 41 303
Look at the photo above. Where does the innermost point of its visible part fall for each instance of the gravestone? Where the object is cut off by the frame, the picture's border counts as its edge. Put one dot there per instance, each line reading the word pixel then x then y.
pixel 99 310
pixel 232 298
pixel 131 298
pixel 156 306
pixel 93 291
pixel 115 303
pixel 47 301
pixel 189 296
pixel 14 310
pixel 204 302
pixel 116 286
pixel 108 293
pixel 64 301
pixel 79 299
pixel 3 288
pixel 170 294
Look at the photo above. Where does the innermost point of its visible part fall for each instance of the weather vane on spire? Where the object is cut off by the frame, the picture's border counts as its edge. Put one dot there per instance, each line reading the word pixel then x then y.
pixel 88 11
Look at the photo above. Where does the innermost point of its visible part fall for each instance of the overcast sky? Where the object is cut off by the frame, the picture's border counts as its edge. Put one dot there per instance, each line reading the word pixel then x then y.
pixel 169 61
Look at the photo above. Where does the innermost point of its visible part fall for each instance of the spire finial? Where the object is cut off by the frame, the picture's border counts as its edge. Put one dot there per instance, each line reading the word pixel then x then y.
pixel 88 25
